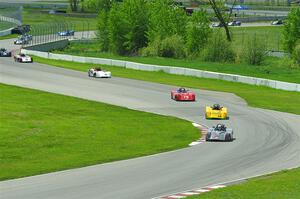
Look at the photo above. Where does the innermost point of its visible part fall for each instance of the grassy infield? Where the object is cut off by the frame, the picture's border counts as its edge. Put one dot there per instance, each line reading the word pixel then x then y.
pixel 43 132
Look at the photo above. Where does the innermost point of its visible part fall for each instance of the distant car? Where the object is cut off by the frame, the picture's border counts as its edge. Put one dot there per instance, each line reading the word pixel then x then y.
pixel 21 29
pixel 215 25
pixel 4 53
pixel 98 72
pixel 23 39
pixel 216 112
pixel 66 33
pixel 23 58
pixel 183 94
pixel 235 23
pixel 277 22
pixel 27 37
pixel 219 133
pixel 20 41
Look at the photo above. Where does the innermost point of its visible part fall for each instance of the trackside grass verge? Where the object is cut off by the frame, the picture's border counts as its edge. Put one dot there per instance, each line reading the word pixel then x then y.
pixel 281 185
pixel 42 132
pixel 11 36
pixel 257 96
pixel 273 67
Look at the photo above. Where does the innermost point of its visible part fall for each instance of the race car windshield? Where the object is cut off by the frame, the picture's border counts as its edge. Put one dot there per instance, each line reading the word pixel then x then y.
pixel 22 55
pixel 216 107
pixel 98 69
pixel 182 90
pixel 220 127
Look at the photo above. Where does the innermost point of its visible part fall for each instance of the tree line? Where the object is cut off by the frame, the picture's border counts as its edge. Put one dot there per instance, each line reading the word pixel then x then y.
pixel 162 28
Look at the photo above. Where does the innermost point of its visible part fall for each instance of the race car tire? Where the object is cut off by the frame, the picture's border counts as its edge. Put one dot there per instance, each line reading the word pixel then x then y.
pixel 207 137
pixel 228 138
pixel 176 97
pixel 94 75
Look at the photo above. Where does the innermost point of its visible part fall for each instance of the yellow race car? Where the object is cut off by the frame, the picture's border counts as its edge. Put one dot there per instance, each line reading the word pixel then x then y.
pixel 216 112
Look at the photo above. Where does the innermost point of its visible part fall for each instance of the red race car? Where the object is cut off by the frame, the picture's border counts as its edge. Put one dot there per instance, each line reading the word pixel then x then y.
pixel 182 94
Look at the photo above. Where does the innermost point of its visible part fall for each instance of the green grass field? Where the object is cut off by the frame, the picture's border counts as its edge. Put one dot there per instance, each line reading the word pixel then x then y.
pixel 281 185
pixel 271 35
pixel 44 20
pixel 4 25
pixel 42 132
pixel 273 68
pixel 9 36
pixel 257 96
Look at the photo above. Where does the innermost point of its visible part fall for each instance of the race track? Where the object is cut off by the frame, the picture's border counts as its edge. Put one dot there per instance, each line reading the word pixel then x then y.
pixel 266 140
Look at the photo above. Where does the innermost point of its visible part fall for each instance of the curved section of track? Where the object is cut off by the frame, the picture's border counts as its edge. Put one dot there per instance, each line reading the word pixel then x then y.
pixel 266 140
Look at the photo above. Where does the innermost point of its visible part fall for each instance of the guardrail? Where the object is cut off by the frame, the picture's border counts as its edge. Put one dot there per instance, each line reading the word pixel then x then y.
pixel 171 70
pixel 11 20
pixel 5 32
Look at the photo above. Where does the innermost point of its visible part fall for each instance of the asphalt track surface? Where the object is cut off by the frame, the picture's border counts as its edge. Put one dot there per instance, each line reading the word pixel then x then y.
pixel 266 141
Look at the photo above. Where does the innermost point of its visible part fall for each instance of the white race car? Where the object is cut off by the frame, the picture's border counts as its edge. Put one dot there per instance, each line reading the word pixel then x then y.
pixel 23 58
pixel 98 72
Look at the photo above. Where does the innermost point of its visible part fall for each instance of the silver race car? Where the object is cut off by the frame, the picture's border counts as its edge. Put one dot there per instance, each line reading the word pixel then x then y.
pixel 219 133
pixel 4 53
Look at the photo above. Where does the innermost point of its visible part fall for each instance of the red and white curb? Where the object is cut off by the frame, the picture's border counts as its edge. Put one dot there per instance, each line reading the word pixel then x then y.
pixel 204 131
pixel 192 192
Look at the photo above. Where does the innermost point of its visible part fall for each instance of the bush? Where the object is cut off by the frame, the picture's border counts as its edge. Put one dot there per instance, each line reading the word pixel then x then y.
pixel 152 49
pixel 172 46
pixel 296 55
pixel 255 52
pixel 218 49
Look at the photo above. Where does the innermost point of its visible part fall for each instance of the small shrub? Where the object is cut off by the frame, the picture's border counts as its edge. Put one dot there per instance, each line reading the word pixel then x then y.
pixel 296 55
pixel 172 46
pixel 218 49
pixel 152 49
pixel 255 52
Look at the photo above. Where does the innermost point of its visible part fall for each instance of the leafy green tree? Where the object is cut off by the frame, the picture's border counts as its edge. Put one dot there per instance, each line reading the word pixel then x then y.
pixel 219 9
pixel 292 30
pixel 98 5
pixel 136 17
pixel 198 32
pixel 128 23
pixel 104 7
pixel 165 19
pixel 117 29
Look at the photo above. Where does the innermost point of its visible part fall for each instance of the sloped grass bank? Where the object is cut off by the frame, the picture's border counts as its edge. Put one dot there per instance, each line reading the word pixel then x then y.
pixel 257 96
pixel 281 185
pixel 273 67
pixel 42 132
